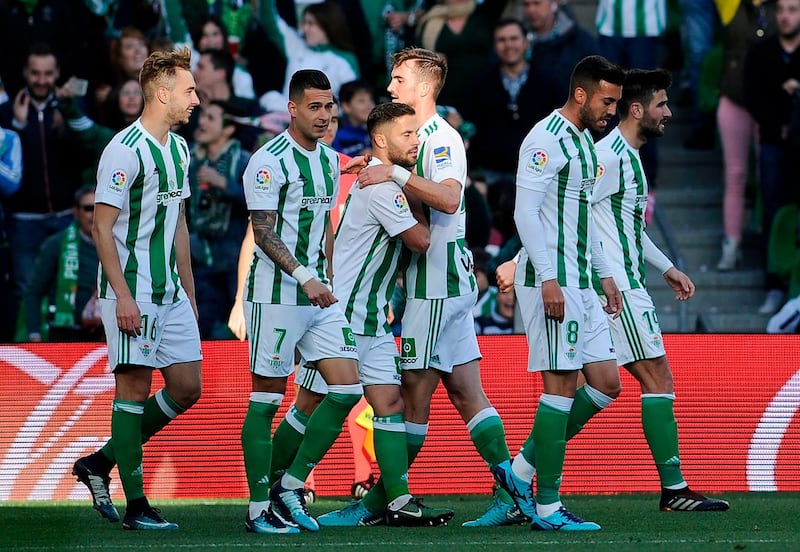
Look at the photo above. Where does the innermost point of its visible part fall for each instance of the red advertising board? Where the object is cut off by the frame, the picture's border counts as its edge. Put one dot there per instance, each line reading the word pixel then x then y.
pixel 737 407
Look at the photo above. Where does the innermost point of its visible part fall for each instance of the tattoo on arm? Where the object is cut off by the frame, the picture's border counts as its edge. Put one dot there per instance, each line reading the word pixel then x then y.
pixel 270 242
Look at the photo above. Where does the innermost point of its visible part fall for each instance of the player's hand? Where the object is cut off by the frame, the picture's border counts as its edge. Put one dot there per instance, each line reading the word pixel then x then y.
pixel 236 322
pixel 320 295
pixel 505 276
pixel 613 297
pixel 356 164
pixel 553 301
pixel 129 319
pixel 376 174
pixel 680 283
pixel 21 104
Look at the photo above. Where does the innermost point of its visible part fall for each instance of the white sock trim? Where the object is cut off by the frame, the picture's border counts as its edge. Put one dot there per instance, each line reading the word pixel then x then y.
pixel 255 508
pixel 351 389
pixel 378 423
pixel 560 403
pixel 162 404
pixel 291 482
pixel 266 398
pixel 522 468
pixel 484 414
pixel 670 396
pixel 416 429
pixel 544 510
pixel 399 502
pixel 600 400
pixel 293 421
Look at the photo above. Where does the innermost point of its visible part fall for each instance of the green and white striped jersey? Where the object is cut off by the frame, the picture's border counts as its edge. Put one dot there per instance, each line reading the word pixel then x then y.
pixel 618 206
pixel 631 18
pixel 301 186
pixel 558 159
pixel 146 182
pixel 445 270
pixel 367 253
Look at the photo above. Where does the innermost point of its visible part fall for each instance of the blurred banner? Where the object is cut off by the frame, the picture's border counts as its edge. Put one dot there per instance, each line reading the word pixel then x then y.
pixel 737 408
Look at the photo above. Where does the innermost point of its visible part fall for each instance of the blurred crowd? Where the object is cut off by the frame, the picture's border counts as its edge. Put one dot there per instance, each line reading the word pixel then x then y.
pixel 69 73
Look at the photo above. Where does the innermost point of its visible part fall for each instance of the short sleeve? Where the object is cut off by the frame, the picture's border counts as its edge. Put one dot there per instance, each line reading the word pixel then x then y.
pixel 448 159
pixel 389 206
pixel 262 183
pixel 116 173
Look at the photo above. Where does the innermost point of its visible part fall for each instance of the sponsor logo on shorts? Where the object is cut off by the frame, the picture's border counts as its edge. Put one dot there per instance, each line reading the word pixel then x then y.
pixel 349 341
pixel 408 350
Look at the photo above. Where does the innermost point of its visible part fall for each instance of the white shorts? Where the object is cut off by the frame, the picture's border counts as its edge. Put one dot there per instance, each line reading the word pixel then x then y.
pixel 439 333
pixel 582 338
pixel 169 335
pixel 636 333
pixel 378 364
pixel 275 331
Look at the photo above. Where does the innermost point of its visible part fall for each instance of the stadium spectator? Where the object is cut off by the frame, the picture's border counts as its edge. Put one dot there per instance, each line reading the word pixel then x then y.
pixel 737 129
pixel 557 41
pixel 771 92
pixel 213 35
pixel 357 98
pixel 325 44
pixel 462 31
pixel 65 277
pixel 43 204
pixel 513 95
pixel 217 215
pixel 126 54
pixel 10 178
pixel 497 315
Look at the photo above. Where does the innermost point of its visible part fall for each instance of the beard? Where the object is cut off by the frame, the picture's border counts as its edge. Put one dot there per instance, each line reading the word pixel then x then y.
pixel 791 34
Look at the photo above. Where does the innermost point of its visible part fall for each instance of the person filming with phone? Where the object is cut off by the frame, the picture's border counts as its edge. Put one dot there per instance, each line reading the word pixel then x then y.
pixel 43 204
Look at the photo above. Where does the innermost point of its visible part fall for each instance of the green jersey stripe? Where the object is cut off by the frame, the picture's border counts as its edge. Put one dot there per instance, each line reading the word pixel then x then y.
pixel 158 273
pixel 134 220
pixel 305 220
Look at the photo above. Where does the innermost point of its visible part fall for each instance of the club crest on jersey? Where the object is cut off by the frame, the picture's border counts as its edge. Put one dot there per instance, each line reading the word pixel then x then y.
pixel 172 195
pixel 400 203
pixel 442 157
pixel 538 162
pixel 263 178
pixel 601 170
pixel 117 182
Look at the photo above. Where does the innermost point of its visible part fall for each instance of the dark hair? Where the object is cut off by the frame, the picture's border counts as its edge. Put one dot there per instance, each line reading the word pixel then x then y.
pixel 350 89
pixel 40 49
pixel 214 19
pixel 221 59
pixel 589 71
pixel 304 79
pixel 507 21
pixel 429 66
pixel 640 86
pixel 386 113
pixel 229 111
pixel 81 192
pixel 331 19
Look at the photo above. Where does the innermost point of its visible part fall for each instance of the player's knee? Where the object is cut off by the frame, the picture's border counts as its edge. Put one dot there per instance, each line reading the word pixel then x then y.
pixel 348 395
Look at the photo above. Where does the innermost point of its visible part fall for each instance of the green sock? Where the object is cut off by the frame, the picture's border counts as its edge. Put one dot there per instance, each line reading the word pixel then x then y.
pixel 549 431
pixel 392 454
pixel 375 500
pixel 661 432
pixel 257 445
pixel 489 437
pixel 583 408
pixel 322 429
pixel 154 419
pixel 288 437
pixel 126 430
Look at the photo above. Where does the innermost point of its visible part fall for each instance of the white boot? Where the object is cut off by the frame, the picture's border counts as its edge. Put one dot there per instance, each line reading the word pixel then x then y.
pixel 731 255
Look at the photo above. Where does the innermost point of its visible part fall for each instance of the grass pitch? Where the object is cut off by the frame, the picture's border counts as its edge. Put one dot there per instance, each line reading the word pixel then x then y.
pixel 756 521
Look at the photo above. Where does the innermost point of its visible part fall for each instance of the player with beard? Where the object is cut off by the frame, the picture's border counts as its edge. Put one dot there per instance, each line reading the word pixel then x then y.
pixel 619 202
pixel 566 328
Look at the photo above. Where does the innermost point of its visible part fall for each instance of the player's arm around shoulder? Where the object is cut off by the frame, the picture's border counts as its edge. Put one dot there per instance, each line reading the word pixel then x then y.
pixel 401 215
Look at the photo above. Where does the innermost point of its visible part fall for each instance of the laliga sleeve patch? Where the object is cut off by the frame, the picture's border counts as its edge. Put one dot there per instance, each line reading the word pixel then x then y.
pixel 442 157
pixel 400 203
pixel 116 183
pixel 538 162
pixel 263 178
